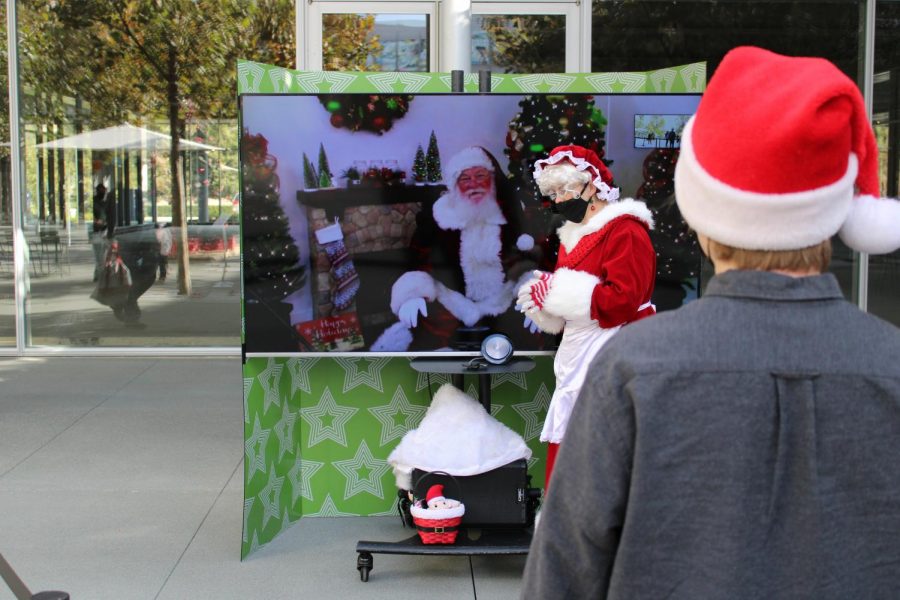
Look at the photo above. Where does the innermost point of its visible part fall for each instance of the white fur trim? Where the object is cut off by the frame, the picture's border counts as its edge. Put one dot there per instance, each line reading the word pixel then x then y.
pixel 604 192
pixel 760 221
pixel 873 225
pixel 457 436
pixel 412 284
pixel 479 258
pixel 437 513
pixel 571 233
pixel 459 306
pixel 396 338
pixel 466 159
pixel 525 242
pixel 452 211
pixel 570 294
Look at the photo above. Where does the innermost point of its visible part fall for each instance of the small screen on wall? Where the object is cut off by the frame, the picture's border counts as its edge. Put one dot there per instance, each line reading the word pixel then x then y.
pixel 659 131
pixel 362 233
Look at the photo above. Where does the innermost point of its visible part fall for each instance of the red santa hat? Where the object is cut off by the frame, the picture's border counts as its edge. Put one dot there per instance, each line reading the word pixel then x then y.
pixel 435 492
pixel 781 156
pixel 583 159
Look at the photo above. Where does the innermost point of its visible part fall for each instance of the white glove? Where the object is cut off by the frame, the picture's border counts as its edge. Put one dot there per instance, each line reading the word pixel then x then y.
pixel 531 325
pixel 410 310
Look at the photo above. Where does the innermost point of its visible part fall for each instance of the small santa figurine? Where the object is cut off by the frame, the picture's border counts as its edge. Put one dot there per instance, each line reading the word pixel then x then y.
pixel 603 279
pixel 435 499
pixel 469 256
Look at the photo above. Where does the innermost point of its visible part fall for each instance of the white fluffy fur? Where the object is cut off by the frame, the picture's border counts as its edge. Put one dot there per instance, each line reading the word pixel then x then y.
pixel 479 258
pixel 873 225
pixel 396 338
pixel 457 436
pixel 762 221
pixel 571 233
pixel 437 513
pixel 412 284
pixel 545 321
pixel 570 294
pixel 459 306
pixel 453 211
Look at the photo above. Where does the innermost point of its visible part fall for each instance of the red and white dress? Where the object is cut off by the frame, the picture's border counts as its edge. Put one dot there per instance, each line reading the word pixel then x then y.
pixel 603 279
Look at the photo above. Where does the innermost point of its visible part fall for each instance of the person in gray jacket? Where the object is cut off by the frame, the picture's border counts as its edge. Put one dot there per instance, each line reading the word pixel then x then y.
pixel 747 444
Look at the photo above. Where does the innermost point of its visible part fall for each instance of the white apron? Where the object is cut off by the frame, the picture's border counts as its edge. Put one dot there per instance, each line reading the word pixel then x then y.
pixel 577 349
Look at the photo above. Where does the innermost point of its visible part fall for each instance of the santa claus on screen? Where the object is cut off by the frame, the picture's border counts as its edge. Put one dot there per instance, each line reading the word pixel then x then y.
pixel 469 255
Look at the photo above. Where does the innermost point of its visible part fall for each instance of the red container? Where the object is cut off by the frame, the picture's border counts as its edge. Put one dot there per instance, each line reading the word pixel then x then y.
pixel 437 531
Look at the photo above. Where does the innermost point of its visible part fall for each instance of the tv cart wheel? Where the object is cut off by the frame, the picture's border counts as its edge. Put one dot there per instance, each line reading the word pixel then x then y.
pixel 364 564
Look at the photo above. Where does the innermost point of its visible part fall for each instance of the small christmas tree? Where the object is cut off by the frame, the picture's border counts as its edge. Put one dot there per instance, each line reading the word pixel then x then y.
pixel 310 179
pixel 419 171
pixel 433 160
pixel 324 170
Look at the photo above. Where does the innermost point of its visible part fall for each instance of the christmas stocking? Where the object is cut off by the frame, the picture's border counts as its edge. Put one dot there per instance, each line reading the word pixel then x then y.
pixel 345 279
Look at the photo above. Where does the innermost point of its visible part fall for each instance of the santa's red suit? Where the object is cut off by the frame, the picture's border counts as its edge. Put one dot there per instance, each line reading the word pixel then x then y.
pixel 603 279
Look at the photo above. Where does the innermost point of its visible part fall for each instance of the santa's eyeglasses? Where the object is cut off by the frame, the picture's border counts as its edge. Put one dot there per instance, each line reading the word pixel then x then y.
pixel 477 178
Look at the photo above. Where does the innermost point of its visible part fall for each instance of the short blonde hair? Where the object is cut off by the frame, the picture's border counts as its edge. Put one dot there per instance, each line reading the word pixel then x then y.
pixel 560 176
pixel 812 258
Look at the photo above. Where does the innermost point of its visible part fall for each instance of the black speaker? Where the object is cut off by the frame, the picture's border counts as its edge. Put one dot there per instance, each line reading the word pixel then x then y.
pixel 497 498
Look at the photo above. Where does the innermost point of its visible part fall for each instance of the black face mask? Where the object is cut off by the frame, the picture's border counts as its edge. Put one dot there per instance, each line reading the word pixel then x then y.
pixel 574 209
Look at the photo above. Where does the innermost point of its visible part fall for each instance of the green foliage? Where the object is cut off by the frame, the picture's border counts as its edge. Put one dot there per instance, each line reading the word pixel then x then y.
pixel 418 169
pixel 325 175
pixel 528 44
pixel 310 179
pixel 433 160
pixel 347 42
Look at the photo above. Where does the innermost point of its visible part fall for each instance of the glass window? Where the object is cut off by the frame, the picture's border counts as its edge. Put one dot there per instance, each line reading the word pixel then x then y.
pixel 7 270
pixel 884 270
pixel 519 43
pixel 640 35
pixel 130 156
pixel 375 42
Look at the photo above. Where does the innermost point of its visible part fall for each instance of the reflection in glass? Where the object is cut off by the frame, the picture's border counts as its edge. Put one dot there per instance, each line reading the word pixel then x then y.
pixel 375 42
pixel 519 43
pixel 7 270
pixel 884 271
pixel 129 160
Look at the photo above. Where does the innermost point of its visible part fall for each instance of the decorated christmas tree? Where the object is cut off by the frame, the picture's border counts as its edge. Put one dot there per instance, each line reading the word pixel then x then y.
pixel 272 267
pixel 433 160
pixel 678 259
pixel 310 179
pixel 547 121
pixel 418 169
pixel 324 170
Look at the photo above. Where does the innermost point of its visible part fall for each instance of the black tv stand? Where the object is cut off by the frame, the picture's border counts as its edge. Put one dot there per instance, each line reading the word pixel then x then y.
pixel 471 541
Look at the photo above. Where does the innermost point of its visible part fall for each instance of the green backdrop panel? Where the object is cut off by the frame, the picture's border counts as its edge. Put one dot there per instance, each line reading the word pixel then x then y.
pixel 257 78
pixel 318 432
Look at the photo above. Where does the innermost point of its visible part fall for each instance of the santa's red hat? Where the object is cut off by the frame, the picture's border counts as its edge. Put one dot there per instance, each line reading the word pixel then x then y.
pixel 467 158
pixel 435 492
pixel 781 156
pixel 583 159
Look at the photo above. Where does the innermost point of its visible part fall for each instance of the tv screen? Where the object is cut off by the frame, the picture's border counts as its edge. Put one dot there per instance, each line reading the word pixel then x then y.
pixel 658 131
pixel 346 214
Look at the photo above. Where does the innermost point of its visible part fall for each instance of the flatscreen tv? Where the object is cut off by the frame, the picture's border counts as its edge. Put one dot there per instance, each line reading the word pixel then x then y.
pixel 658 131
pixel 338 203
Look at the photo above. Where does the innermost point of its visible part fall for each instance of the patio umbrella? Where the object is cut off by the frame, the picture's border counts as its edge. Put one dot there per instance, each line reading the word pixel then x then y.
pixel 123 137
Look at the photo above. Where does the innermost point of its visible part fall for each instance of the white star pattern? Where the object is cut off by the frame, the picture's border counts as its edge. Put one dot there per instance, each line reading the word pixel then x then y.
pixel 254 544
pixel 328 509
pixel 517 379
pixel 532 461
pixel 270 498
pixel 269 378
pixel 534 412
pixel 299 370
pixel 387 416
pixel 371 377
pixel 248 385
pixel 495 408
pixel 422 380
pixel 328 409
pixel 371 481
pixel 248 506
pixel 300 476
pixel 284 429
pixel 255 449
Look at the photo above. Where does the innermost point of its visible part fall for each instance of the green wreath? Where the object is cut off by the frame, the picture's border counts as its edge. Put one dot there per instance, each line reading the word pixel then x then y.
pixel 365 112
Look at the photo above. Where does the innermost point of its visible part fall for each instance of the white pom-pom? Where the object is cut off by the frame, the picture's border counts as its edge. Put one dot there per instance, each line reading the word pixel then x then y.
pixel 873 225
pixel 525 242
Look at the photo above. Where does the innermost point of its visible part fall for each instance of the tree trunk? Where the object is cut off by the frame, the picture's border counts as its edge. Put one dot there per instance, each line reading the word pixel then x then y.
pixel 179 218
